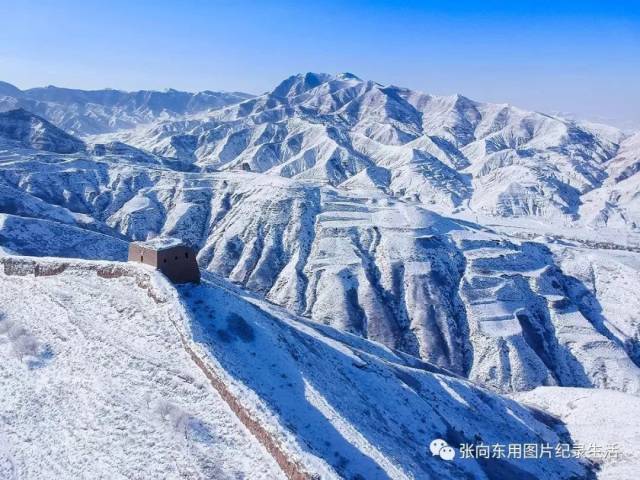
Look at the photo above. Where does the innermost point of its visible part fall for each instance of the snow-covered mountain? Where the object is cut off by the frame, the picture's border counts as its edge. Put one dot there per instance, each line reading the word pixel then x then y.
pixel 493 244
pixel 451 153
pixel 83 112
pixel 447 152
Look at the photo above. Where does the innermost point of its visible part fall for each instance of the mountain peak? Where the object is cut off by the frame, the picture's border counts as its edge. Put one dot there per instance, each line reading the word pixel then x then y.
pixel 303 82
pixel 300 83
pixel 348 76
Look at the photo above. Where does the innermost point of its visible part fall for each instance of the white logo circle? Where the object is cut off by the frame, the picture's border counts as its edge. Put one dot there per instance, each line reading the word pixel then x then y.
pixel 440 448
pixel 447 453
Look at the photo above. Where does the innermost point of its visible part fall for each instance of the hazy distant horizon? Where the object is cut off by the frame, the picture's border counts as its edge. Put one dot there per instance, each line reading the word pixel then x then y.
pixel 628 126
pixel 578 57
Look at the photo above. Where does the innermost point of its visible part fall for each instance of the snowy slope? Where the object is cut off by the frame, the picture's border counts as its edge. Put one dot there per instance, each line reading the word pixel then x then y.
pixel 596 419
pixel 109 372
pixel 31 131
pixel 95 383
pixel 617 202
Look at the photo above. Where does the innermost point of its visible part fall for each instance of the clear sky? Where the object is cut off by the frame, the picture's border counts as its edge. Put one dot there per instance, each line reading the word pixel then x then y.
pixel 579 57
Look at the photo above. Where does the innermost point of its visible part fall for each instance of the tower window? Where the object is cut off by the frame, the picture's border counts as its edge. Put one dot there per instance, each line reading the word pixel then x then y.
pixel 186 254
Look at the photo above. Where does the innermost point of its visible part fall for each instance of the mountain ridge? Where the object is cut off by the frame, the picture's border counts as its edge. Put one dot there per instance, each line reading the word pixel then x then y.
pixel 450 151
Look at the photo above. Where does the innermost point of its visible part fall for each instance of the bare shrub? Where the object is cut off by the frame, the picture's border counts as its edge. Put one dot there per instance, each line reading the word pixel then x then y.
pixel 23 343
pixel 174 415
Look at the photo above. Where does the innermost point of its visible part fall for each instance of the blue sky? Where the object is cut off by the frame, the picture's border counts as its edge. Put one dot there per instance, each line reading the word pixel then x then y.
pixel 578 57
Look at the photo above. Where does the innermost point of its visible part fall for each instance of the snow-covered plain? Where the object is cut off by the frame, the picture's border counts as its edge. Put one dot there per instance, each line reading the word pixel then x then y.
pixel 498 244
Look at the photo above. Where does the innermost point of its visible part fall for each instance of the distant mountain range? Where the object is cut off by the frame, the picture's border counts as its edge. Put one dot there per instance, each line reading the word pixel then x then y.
pixel 83 112
pixel 448 152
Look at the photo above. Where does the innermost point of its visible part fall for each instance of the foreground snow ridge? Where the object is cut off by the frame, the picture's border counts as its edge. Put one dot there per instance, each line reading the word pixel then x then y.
pixel 96 383
pixel 110 371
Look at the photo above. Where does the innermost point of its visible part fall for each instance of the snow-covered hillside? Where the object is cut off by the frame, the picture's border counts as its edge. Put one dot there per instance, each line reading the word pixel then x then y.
pixel 31 131
pixel 617 202
pixel 110 372
pixel 95 382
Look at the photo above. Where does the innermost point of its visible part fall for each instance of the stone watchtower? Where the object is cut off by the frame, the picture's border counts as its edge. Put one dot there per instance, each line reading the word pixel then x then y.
pixel 169 255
